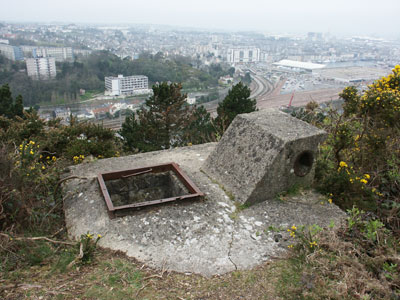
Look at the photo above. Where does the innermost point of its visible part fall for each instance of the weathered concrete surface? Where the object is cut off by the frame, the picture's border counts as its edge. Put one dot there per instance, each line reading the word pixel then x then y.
pixel 206 237
pixel 258 154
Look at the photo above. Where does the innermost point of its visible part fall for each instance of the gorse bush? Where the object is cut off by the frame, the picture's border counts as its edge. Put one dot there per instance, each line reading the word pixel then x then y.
pixel 27 181
pixel 359 163
pixel 33 154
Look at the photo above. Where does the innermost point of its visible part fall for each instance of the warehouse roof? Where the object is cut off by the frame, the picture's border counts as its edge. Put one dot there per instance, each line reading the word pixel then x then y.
pixel 298 64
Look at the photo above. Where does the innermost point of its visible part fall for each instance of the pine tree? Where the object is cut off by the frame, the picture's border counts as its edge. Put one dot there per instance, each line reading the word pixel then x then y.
pixel 6 101
pixel 161 123
pixel 8 108
pixel 200 129
pixel 236 102
pixel 18 109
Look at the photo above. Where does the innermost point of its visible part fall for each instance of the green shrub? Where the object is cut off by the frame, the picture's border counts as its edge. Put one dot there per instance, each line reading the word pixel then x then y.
pixel 359 162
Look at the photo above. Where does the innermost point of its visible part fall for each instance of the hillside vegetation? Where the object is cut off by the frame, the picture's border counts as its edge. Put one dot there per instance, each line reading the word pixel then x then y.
pixel 358 168
pixel 88 74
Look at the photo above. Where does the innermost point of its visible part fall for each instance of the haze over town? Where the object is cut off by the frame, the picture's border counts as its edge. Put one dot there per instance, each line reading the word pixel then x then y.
pixel 99 59
pixel 363 17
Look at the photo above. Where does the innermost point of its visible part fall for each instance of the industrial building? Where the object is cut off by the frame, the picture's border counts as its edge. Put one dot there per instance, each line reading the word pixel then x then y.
pixel 11 52
pixel 130 85
pixel 298 65
pixel 42 68
pixel 243 55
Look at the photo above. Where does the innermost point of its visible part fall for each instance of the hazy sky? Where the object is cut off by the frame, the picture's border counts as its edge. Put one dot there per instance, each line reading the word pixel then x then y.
pixel 378 17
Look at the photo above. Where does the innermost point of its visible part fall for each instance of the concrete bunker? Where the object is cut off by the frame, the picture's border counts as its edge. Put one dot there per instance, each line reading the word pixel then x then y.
pixel 212 236
pixel 129 189
pixel 264 153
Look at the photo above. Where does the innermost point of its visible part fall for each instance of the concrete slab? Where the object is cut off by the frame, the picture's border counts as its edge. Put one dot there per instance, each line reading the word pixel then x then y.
pixel 207 237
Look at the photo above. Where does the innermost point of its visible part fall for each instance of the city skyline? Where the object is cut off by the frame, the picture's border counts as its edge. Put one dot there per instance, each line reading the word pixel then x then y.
pixel 336 17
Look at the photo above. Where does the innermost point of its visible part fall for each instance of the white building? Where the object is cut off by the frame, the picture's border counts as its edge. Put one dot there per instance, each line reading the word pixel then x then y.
pixel 243 55
pixel 59 53
pixel 11 52
pixel 42 68
pixel 130 85
pixel 298 65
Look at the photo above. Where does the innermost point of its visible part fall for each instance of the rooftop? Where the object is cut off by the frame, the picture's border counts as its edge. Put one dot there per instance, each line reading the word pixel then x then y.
pixel 299 64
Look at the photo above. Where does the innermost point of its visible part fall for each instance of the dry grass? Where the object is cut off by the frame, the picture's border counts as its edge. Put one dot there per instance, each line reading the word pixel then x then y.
pixel 345 265
pixel 114 276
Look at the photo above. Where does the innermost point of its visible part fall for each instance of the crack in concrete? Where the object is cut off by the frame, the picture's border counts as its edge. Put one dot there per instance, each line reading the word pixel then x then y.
pixel 231 244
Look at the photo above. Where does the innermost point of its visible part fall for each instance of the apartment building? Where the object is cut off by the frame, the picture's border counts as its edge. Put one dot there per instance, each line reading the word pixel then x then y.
pixel 129 85
pixel 243 55
pixel 42 68
pixel 59 53
pixel 11 52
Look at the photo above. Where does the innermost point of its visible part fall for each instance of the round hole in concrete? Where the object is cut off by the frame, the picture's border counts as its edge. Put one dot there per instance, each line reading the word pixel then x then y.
pixel 303 163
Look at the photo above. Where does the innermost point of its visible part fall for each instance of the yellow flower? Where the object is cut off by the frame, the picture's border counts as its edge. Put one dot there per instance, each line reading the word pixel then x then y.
pixel 312 244
pixel 343 164
pixel 367 176
pixel 31 152
pixel 294 227
pixel 43 167
pixel 99 236
pixel 363 181
pixel 290 246
pixel 54 158
pixel 330 201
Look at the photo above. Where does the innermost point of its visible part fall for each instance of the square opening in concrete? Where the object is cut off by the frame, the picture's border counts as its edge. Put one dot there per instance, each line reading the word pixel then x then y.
pixel 135 188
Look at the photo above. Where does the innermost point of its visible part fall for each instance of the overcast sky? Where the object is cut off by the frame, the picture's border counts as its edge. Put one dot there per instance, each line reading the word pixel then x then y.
pixel 362 17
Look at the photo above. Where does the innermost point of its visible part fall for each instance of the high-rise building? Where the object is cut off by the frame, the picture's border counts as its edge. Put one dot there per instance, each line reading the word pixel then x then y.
pixel 59 53
pixel 42 68
pixel 129 85
pixel 243 55
pixel 11 52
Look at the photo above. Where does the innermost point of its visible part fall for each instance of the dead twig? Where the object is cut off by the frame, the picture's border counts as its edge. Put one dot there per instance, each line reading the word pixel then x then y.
pixel 24 286
pixel 65 179
pixel 58 231
pixel 78 258
pixel 36 238
pixel 141 289
pixel 153 276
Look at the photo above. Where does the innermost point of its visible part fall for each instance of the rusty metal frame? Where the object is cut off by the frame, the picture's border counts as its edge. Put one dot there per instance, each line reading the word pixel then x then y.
pixel 194 191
